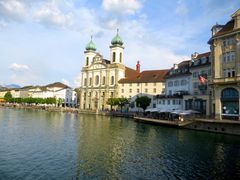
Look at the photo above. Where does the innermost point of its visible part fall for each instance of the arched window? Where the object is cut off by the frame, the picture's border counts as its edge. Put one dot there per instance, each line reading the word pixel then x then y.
pixel 87 61
pixel 230 101
pixel 120 58
pixel 96 80
pixel 103 80
pixel 90 81
pixel 230 93
pixel 112 80
pixel 114 56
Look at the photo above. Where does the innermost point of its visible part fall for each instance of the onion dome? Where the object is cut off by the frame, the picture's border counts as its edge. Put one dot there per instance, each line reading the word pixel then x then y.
pixel 91 46
pixel 117 40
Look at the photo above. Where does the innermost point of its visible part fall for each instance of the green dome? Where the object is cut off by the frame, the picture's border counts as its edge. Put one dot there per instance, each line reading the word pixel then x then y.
pixel 117 40
pixel 91 46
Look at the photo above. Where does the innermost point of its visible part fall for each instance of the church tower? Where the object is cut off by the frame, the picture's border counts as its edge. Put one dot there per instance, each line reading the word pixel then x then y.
pixel 116 49
pixel 90 53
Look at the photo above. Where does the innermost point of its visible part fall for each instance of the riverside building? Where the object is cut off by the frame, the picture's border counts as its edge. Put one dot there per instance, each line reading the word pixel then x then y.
pixel 100 76
pixel 103 79
pixel 225 51
pixel 199 97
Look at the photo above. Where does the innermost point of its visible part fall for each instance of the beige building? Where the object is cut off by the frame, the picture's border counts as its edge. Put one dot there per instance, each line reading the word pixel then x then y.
pixel 100 76
pixel 225 49
pixel 149 83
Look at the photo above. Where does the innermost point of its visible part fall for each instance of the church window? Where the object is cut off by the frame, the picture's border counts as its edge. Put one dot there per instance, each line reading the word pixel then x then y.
pixel 96 80
pixel 87 61
pixel 114 56
pixel 90 81
pixel 112 80
pixel 104 80
pixel 120 57
pixel 85 81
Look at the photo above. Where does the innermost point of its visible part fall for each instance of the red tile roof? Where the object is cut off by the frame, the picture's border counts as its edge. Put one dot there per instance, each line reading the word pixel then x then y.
pixel 227 28
pixel 144 76
pixel 57 84
pixel 206 54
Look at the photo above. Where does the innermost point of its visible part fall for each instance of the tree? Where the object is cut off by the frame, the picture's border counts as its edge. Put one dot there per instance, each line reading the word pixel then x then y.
pixel 8 96
pixel 122 102
pixel 143 102
pixel 112 102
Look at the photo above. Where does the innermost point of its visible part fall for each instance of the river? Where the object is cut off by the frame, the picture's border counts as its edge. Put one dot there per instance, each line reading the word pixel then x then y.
pixel 37 144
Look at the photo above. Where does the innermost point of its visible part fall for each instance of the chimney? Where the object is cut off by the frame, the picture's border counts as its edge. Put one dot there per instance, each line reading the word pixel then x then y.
pixel 138 67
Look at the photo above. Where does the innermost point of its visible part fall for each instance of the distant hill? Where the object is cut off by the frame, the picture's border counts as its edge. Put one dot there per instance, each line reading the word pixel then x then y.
pixel 13 86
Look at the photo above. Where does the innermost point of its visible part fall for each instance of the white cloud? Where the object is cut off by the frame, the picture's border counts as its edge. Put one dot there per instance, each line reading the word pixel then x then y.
pixel 50 15
pixel 77 81
pixel 12 10
pixel 66 82
pixel 18 67
pixel 122 7
pixel 181 8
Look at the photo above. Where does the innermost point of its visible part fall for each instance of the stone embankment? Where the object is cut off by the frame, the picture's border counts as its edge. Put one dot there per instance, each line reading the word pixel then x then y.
pixel 37 107
pixel 210 125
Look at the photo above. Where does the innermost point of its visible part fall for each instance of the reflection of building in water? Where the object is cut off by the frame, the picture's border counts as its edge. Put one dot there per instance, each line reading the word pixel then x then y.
pixel 225 49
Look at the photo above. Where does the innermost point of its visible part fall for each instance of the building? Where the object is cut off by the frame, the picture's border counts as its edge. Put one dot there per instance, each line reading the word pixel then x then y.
pixel 199 97
pixel 178 84
pixel 100 77
pixel 56 90
pixel 148 83
pixel 225 51
pixel 60 91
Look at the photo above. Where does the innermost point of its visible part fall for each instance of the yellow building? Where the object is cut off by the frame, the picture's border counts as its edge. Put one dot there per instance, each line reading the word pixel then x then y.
pixel 148 83
pixel 225 51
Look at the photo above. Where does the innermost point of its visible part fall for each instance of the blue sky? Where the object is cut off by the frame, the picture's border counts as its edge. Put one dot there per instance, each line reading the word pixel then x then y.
pixel 43 41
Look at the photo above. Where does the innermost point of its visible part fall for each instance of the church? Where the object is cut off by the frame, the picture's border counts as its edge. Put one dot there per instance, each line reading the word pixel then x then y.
pixel 103 79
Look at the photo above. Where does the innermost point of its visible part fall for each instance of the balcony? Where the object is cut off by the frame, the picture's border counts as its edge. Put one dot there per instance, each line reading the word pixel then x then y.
pixel 226 80
pixel 202 87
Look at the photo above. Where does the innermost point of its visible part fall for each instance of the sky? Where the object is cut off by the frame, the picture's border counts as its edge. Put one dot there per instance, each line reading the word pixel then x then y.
pixel 43 41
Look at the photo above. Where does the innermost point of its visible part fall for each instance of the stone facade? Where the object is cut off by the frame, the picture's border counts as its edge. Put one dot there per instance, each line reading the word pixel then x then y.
pixel 225 50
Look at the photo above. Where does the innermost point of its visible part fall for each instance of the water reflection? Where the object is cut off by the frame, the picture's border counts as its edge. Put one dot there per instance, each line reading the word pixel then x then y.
pixel 39 144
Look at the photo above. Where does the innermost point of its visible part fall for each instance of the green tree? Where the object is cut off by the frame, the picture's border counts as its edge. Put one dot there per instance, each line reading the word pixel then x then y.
pixel 122 102
pixel 8 96
pixel 143 102
pixel 112 102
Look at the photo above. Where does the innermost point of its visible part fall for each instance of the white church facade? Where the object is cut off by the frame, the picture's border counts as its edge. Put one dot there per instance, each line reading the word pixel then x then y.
pixel 100 76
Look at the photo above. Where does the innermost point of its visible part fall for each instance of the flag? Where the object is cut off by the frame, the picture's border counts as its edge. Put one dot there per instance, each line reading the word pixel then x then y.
pixel 202 80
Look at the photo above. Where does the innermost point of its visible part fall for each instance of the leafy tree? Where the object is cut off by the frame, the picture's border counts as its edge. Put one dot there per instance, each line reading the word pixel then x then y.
pixel 122 102
pixel 112 102
pixel 143 102
pixel 8 96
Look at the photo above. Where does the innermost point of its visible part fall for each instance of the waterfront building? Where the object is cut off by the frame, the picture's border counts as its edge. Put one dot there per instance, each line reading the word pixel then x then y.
pixel 199 97
pixel 100 77
pixel 147 83
pixel 178 84
pixel 56 90
pixel 225 51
